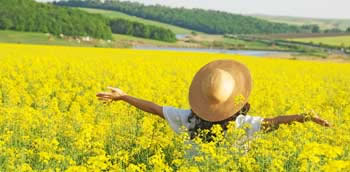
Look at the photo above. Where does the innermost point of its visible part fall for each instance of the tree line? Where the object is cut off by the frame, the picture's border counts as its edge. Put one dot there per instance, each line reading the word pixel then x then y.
pixel 31 16
pixel 208 21
pixel 137 29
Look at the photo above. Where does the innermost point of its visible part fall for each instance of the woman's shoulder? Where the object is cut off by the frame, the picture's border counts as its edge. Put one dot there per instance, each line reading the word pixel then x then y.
pixel 253 122
pixel 169 110
pixel 248 116
pixel 176 117
pixel 241 119
pixel 172 113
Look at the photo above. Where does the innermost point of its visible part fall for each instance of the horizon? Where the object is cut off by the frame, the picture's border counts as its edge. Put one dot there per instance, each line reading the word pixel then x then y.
pixel 337 9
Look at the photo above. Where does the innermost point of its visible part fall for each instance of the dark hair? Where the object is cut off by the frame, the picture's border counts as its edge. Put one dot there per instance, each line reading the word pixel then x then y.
pixel 201 124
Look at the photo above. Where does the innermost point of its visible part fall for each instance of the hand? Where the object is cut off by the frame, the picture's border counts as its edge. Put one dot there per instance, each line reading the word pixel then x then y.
pixel 107 97
pixel 320 121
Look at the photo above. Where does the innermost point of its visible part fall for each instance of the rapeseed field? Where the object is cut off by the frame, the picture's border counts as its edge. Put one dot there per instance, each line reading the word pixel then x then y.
pixel 50 119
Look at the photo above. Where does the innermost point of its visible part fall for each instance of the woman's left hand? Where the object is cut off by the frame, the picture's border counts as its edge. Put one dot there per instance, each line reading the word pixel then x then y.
pixel 320 121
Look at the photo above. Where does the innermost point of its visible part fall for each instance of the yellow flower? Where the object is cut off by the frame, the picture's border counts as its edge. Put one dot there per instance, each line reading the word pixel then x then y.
pixel 50 119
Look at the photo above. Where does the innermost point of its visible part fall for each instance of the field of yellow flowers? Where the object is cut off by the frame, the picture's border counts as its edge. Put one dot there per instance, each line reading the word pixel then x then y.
pixel 51 120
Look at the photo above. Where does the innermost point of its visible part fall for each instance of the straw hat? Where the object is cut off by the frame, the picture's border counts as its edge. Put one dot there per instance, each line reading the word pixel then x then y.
pixel 220 89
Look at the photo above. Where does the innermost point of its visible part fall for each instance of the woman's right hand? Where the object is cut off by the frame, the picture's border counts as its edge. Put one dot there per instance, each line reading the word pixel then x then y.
pixel 115 95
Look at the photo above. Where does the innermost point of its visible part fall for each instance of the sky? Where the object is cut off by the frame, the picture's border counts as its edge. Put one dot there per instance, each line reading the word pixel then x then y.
pixel 300 8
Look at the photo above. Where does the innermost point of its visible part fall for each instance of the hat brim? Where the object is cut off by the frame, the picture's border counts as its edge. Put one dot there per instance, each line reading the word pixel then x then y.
pixel 204 108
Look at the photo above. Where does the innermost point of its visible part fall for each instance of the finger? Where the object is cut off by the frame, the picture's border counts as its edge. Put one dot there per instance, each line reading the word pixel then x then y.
pixel 102 94
pixel 327 124
pixel 324 123
pixel 111 88
pixel 105 95
pixel 110 97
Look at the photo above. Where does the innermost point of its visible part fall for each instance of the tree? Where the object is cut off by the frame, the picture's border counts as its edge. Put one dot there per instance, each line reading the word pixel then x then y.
pixel 28 15
pixel 348 29
pixel 122 26
pixel 5 23
pixel 315 29
pixel 333 30
pixel 208 21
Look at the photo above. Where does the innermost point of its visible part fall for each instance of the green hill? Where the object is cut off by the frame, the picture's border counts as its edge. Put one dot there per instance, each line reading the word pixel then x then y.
pixel 207 21
pixel 31 16
pixel 343 41
pixel 116 14
pixel 119 41
pixel 323 23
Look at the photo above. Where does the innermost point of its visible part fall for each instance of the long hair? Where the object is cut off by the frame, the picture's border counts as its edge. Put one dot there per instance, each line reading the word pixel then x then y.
pixel 201 124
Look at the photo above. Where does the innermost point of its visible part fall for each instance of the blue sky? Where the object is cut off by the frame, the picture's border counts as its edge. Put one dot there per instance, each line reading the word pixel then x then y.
pixel 302 8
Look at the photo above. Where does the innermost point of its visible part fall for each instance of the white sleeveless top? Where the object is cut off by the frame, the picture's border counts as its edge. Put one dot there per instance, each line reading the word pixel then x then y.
pixel 179 117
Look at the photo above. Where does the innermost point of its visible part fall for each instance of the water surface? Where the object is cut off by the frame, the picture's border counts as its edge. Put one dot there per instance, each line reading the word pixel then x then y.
pixel 209 50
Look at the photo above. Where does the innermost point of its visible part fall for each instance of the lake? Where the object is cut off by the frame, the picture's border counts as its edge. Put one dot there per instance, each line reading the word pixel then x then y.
pixel 209 50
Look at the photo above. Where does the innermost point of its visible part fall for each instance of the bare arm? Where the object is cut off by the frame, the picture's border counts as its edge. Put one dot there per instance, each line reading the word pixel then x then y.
pixel 144 105
pixel 271 123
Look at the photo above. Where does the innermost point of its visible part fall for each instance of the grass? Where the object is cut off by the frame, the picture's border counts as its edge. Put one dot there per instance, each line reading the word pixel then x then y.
pixel 124 39
pixel 45 39
pixel 115 14
pixel 119 41
pixel 336 40
pixel 323 23
pixel 253 45
pixel 33 38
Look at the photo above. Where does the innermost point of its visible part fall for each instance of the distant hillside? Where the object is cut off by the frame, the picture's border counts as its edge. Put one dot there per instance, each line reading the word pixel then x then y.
pixel 118 41
pixel 31 16
pixel 116 14
pixel 127 27
pixel 208 21
pixel 323 23
pixel 343 41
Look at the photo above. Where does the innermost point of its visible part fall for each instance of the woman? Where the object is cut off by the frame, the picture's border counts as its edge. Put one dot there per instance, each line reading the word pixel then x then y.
pixel 218 94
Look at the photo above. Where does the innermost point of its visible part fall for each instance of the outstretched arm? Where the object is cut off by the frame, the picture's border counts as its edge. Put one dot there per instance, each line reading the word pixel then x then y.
pixel 271 123
pixel 116 94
